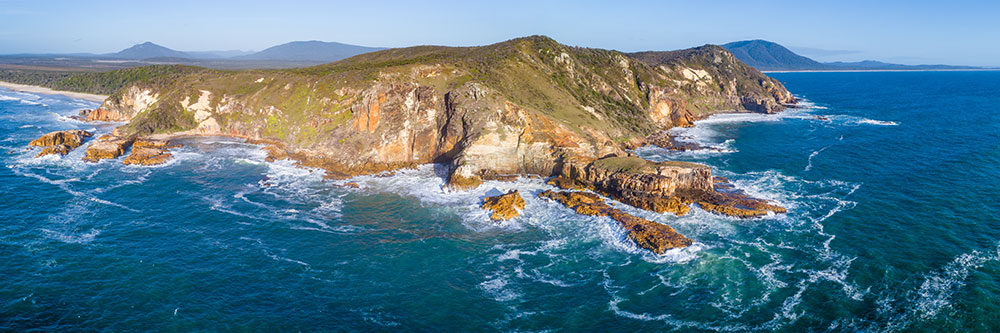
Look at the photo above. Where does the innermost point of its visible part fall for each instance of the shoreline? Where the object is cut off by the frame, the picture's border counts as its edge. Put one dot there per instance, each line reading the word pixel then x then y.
pixel 49 91
pixel 883 70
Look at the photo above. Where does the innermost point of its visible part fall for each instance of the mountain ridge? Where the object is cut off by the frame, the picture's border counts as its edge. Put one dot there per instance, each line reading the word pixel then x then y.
pixel 148 50
pixel 312 50
pixel 770 56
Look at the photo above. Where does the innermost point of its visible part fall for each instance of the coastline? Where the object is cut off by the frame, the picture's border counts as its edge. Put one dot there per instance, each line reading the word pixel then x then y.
pixel 48 91
pixel 884 70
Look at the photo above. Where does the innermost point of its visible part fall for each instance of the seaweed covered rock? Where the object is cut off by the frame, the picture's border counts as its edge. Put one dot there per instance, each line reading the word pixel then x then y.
pixel 646 234
pixel 504 206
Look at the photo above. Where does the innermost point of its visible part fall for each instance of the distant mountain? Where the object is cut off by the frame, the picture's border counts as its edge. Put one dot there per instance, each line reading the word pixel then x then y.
pixel 148 50
pixel 769 56
pixel 764 55
pixel 310 51
pixel 872 64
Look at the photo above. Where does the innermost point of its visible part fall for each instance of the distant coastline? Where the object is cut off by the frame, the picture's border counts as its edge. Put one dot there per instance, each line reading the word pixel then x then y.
pixel 48 91
pixel 884 70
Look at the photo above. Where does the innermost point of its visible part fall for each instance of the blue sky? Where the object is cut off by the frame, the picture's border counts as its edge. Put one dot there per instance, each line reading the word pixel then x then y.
pixel 911 32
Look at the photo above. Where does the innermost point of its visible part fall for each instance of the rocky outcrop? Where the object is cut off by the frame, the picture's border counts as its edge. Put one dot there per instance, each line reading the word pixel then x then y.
pixel 60 142
pixel 53 150
pixel 107 147
pixel 726 199
pixel 125 104
pixel 90 115
pixel 646 234
pixel 504 206
pixel 71 138
pixel 664 187
pixel 146 156
pixel 638 182
pixel 149 152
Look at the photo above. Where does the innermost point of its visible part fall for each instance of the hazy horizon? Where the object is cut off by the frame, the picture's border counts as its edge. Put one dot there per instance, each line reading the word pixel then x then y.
pixel 921 32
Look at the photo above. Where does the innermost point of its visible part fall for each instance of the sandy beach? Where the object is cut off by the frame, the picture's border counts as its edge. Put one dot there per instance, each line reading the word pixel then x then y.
pixel 47 91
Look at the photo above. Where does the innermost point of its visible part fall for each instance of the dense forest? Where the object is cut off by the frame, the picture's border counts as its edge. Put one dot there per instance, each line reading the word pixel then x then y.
pixel 102 83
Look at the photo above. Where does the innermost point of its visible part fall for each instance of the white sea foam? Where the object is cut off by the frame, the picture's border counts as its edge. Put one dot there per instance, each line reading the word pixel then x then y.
pixel 933 297
pixel 499 288
pixel 809 163
pixel 72 238
pixel 877 122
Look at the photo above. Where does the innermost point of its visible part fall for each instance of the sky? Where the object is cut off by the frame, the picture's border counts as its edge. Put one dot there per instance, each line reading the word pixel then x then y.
pixel 957 32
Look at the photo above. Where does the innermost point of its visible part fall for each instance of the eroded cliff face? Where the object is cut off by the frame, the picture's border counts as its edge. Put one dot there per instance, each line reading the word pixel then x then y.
pixel 124 105
pixel 513 108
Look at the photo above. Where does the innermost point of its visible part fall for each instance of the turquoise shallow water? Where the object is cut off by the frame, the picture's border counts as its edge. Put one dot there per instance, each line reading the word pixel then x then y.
pixel 893 225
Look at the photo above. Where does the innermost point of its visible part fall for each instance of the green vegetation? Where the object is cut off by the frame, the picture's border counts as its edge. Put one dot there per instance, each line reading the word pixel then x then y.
pixel 164 117
pixel 638 165
pixel 626 164
pixel 103 83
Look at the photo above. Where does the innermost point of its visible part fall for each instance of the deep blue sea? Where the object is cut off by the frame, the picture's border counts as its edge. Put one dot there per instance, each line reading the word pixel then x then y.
pixel 893 225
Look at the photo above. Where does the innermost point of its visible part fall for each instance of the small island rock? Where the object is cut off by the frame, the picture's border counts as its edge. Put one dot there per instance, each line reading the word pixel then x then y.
pixel 504 206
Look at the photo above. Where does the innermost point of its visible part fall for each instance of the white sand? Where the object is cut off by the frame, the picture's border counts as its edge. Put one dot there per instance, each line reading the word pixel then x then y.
pixel 47 91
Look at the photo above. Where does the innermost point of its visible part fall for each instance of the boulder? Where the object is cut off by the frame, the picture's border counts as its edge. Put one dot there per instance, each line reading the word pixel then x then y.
pixel 646 234
pixel 504 206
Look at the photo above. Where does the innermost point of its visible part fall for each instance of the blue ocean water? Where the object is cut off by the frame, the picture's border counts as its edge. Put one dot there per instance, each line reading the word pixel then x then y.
pixel 893 224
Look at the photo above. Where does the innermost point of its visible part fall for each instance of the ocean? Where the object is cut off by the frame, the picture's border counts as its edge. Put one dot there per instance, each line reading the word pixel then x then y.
pixel 890 179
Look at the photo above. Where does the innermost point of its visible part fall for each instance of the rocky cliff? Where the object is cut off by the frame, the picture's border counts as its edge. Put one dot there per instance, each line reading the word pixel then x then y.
pixel 512 108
